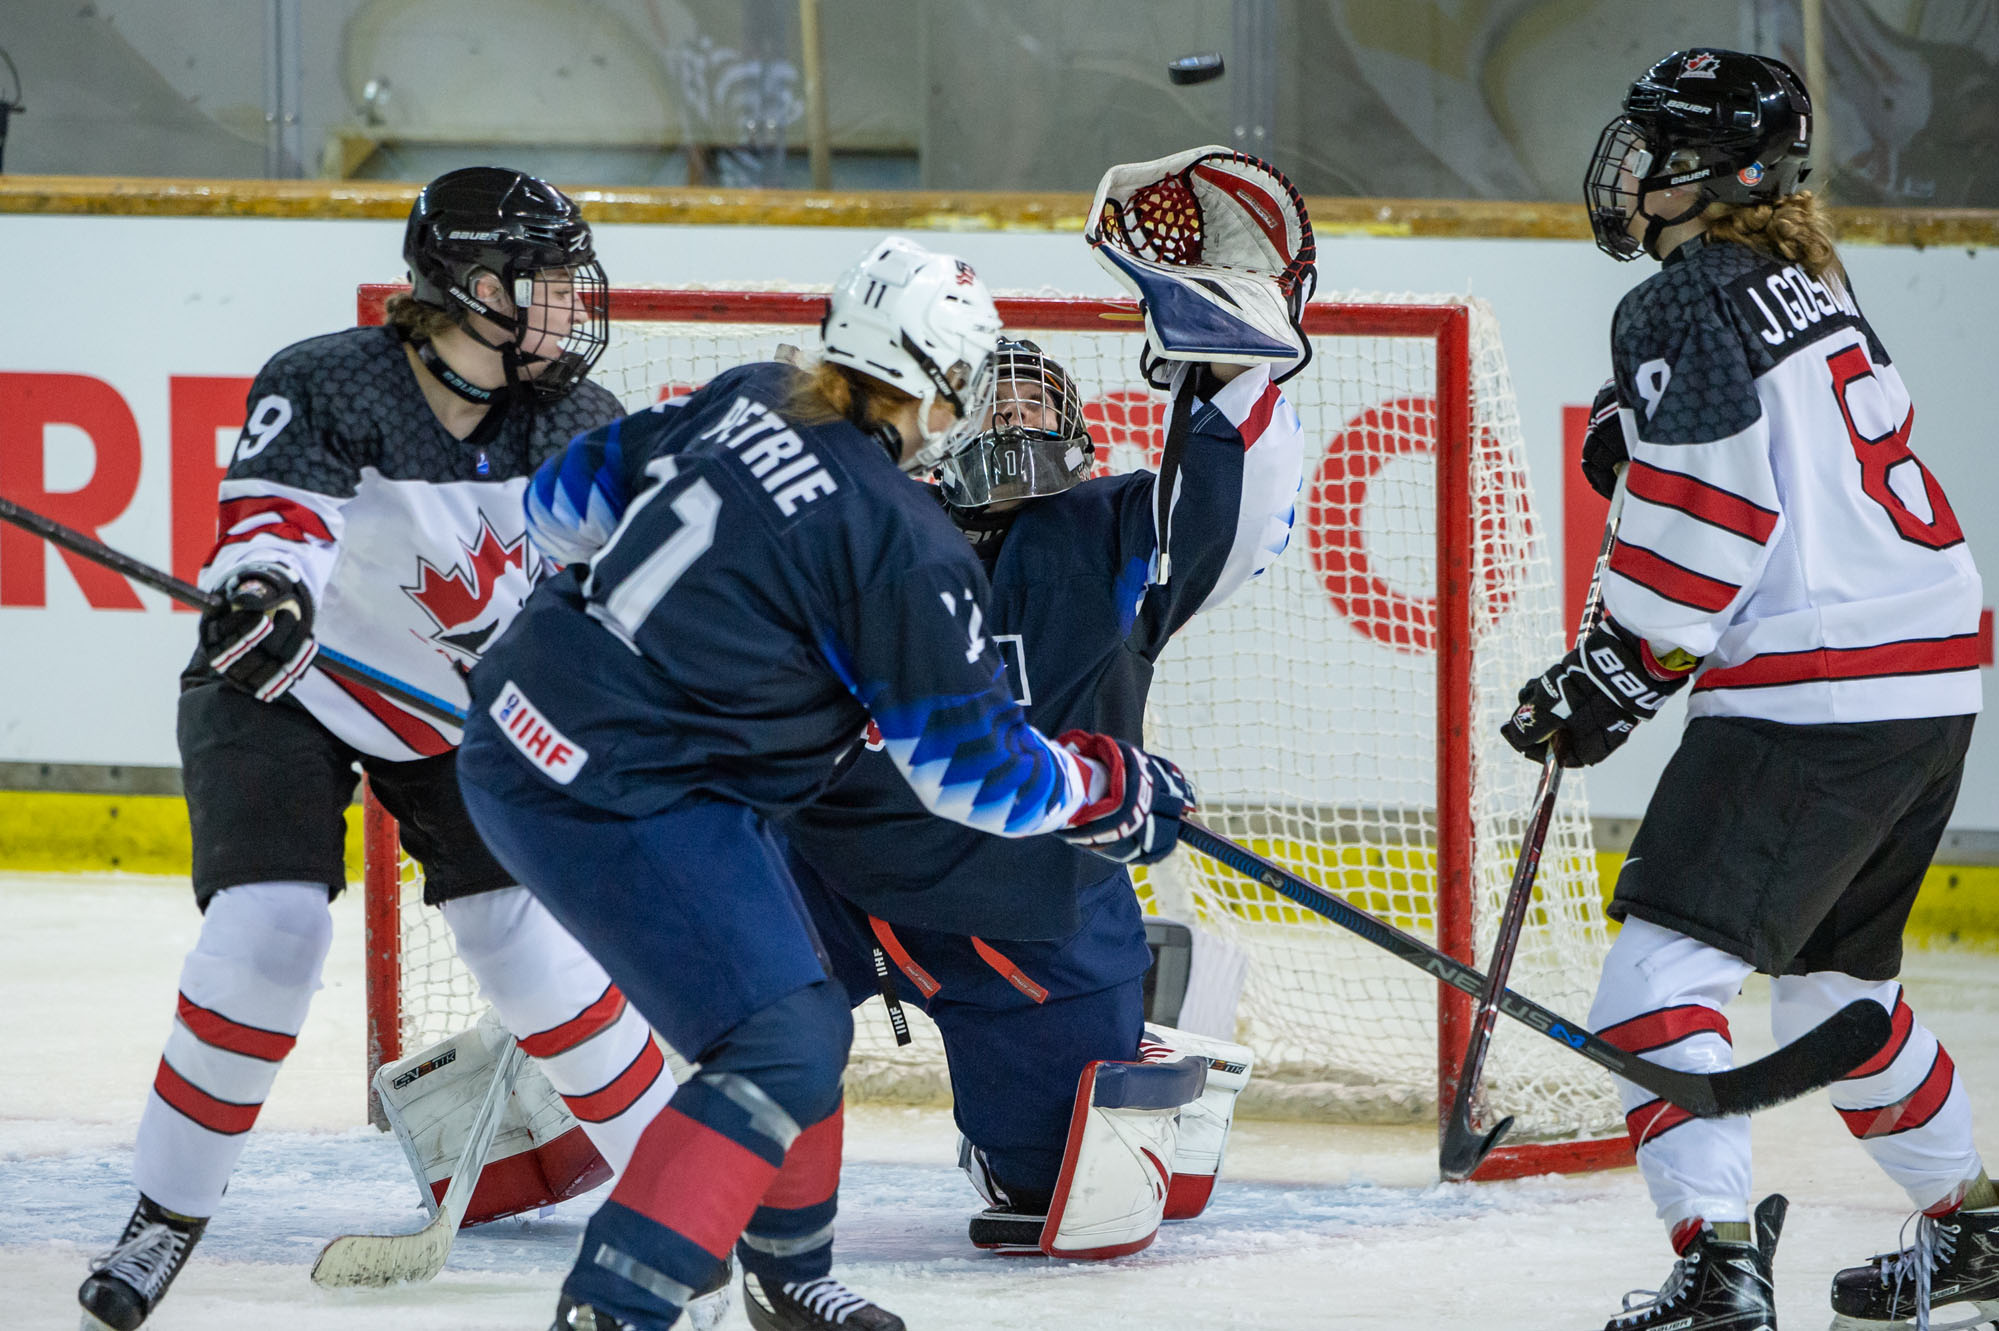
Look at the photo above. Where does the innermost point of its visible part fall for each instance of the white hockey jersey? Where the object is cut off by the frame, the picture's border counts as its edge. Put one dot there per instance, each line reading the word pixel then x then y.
pixel 413 544
pixel 1776 522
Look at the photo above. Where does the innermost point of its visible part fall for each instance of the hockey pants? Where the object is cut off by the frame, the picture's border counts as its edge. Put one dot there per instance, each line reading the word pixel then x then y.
pixel 1662 995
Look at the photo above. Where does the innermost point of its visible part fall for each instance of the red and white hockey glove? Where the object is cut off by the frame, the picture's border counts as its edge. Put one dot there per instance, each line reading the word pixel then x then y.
pixel 1218 249
pixel 1593 696
pixel 259 636
pixel 1137 819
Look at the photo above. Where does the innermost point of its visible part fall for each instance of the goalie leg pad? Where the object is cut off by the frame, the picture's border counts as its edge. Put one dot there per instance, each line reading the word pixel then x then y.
pixel 540 1154
pixel 588 1043
pixel 1117 1165
pixel 1205 1122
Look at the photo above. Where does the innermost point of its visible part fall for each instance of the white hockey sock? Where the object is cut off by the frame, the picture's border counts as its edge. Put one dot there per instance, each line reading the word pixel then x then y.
pixel 593 1046
pixel 1906 1105
pixel 244 990
pixel 1661 996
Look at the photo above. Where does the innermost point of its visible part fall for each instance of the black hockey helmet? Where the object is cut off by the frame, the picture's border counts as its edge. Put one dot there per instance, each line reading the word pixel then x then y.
pixel 1010 458
pixel 494 220
pixel 1738 125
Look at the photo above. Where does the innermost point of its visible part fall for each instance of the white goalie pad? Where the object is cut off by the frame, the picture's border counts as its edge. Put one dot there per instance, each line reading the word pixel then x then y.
pixel 539 1155
pixel 1217 246
pixel 1118 1165
pixel 1205 1122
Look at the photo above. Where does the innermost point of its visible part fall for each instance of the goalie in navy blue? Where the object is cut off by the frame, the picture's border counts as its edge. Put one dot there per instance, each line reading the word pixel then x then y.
pixel 759 578
pixel 1785 559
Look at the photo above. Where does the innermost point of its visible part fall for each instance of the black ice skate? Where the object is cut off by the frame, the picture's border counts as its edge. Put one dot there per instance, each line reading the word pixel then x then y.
pixel 813 1305
pixel 1955 1259
pixel 1716 1286
pixel 1008 1231
pixel 127 1283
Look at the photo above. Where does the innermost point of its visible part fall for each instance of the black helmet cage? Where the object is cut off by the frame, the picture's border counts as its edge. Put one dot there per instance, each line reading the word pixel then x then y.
pixel 519 229
pixel 1737 125
pixel 1013 460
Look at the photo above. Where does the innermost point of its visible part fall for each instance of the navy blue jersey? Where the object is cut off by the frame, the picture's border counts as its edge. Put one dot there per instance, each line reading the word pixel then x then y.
pixel 768 586
pixel 1081 622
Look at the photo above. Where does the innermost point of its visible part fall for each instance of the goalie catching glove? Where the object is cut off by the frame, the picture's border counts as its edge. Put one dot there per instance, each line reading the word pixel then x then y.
pixel 258 634
pixel 1592 697
pixel 1135 818
pixel 1217 248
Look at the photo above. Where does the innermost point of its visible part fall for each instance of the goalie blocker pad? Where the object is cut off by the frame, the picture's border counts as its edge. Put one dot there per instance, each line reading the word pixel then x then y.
pixel 1117 1165
pixel 1205 1121
pixel 540 1155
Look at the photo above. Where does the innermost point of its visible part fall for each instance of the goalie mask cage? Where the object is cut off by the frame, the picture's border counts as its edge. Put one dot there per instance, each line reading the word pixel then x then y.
pixel 1340 714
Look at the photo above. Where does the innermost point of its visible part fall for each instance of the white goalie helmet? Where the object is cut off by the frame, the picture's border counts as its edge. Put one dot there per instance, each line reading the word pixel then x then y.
pixel 924 323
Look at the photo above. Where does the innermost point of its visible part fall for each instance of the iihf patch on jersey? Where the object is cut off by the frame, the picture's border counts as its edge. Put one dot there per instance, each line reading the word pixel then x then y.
pixel 539 742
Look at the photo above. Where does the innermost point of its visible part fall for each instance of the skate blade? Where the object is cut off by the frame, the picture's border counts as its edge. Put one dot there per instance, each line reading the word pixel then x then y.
pixel 1988 1315
pixel 709 1311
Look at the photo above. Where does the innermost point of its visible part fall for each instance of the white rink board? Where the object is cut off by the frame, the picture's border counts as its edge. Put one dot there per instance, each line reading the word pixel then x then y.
pixel 137 303
pixel 1312 1228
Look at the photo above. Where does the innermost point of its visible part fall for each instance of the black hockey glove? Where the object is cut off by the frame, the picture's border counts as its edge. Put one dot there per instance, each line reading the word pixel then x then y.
pixel 1603 444
pixel 259 637
pixel 1138 819
pixel 1592 697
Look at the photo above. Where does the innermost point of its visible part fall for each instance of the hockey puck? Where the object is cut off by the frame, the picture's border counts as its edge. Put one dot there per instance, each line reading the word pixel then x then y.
pixel 1195 68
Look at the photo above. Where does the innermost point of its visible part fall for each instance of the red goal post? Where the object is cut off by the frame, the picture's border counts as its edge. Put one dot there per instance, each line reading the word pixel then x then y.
pixel 1441 407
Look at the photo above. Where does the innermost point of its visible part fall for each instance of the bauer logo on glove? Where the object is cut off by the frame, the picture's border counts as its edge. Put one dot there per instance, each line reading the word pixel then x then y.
pixel 1218 249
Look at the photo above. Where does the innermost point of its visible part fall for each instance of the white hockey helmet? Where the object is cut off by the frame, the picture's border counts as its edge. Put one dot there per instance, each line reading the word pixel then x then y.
pixel 924 323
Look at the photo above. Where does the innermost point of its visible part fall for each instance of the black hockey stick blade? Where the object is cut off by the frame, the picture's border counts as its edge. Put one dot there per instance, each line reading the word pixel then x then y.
pixel 1463 1150
pixel 1818 1058
pixel 328 660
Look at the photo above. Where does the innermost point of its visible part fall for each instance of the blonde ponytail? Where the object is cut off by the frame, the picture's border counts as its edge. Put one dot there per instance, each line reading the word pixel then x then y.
pixel 828 393
pixel 1795 229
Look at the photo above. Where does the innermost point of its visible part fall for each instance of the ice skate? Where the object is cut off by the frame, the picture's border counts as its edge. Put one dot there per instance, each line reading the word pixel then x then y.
pixel 813 1305
pixel 704 1311
pixel 1716 1286
pixel 1955 1259
pixel 127 1283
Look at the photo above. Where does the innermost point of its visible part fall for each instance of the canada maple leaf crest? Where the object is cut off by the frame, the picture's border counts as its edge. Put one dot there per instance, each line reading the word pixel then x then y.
pixel 459 600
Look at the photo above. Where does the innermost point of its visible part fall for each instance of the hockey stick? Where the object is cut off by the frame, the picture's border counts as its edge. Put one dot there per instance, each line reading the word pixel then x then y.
pixel 332 662
pixel 376 1260
pixel 1463 1149
pixel 1818 1058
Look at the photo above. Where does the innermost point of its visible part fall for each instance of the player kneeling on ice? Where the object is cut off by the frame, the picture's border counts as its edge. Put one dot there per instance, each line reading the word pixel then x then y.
pixel 1827 627
pixel 766 579
pixel 372 459
pixel 1031 955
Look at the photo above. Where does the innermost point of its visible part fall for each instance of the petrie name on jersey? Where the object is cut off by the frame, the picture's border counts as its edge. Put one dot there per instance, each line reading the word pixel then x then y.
pixel 773 452
pixel 1791 302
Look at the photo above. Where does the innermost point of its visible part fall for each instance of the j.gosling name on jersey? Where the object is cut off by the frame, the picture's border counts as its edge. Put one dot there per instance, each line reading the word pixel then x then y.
pixel 774 454
pixel 1791 302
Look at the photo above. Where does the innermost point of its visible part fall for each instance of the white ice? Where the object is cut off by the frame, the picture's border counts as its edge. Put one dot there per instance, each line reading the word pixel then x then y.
pixel 1312 1227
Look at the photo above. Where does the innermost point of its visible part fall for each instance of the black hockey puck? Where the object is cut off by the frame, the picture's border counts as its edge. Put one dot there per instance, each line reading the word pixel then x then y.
pixel 1195 68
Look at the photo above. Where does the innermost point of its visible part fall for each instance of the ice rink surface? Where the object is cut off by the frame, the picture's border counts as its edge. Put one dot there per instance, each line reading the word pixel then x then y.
pixel 1311 1227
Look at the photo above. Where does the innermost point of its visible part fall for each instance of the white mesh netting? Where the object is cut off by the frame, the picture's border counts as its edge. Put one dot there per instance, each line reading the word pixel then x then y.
pixel 1306 711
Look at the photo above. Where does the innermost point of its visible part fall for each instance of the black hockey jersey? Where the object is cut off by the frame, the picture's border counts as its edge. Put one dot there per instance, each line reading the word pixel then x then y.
pixel 1776 522
pixel 1081 622
pixel 765 586
pixel 411 542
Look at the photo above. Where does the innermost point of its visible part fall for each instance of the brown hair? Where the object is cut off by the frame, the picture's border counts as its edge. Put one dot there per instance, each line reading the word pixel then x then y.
pixel 1795 229
pixel 830 392
pixel 414 319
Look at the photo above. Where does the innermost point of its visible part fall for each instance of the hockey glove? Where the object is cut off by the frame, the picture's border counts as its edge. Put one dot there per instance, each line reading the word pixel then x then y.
pixel 1604 450
pixel 259 636
pixel 1137 821
pixel 1217 248
pixel 1592 697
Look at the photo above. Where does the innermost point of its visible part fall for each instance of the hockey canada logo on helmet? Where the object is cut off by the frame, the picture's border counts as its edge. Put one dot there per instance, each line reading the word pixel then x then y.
pixel 921 322
pixel 1034 441
pixel 554 321
pixel 1742 132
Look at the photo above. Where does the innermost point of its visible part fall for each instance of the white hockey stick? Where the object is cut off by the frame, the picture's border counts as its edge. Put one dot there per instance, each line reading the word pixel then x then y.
pixel 378 1260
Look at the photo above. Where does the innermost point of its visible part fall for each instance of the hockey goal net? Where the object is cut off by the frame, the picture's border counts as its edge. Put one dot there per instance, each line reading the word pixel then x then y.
pixel 1339 715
